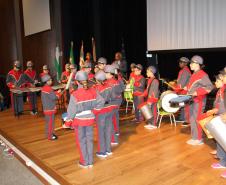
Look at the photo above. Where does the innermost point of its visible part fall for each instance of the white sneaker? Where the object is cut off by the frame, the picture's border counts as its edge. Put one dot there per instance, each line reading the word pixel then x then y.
pixel 195 142
pixel 114 143
pixel 83 166
pixel 109 153
pixel 90 165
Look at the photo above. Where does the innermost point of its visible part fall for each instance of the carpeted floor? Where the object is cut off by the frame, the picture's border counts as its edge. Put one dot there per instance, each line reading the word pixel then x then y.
pixel 13 172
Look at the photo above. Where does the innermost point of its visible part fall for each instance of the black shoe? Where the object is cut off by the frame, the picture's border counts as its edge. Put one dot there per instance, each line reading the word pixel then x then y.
pixel 185 124
pixel 54 137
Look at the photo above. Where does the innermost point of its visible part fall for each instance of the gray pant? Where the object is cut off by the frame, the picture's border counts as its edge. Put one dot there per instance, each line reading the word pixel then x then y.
pixel 221 154
pixel 137 100
pixel 104 129
pixel 114 137
pixel 17 102
pixel 84 141
pixel 32 96
pixel 196 109
pixel 153 120
pixel 50 124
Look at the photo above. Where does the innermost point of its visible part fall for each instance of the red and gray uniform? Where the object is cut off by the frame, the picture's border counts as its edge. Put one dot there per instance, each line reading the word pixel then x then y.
pixel 80 110
pixel 31 76
pixel 16 79
pixel 152 94
pixel 116 100
pixel 139 86
pixel 183 77
pixel 49 97
pixel 64 77
pixel 104 120
pixel 219 104
pixel 182 80
pixel 201 84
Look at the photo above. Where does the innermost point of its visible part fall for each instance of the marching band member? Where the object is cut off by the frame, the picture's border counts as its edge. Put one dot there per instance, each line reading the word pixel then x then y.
pixel 80 109
pixel 182 80
pixel 152 94
pixel 103 117
pixel 31 78
pixel 218 110
pixel 118 76
pixel 45 70
pixel 14 79
pixel 73 86
pixel 65 75
pixel 183 75
pixel 102 62
pixel 116 100
pixel 198 86
pixel 64 79
pixel 139 86
pixel 132 67
pixel 49 98
pixel 87 68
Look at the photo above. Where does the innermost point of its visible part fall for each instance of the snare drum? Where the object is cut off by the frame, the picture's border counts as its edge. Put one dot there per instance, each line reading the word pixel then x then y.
pixel 145 110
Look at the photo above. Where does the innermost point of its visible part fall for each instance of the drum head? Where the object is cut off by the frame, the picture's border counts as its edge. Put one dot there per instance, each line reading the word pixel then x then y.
pixel 165 101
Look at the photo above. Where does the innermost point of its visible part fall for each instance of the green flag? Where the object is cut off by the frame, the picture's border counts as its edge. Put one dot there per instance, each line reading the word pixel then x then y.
pixel 57 63
pixel 72 59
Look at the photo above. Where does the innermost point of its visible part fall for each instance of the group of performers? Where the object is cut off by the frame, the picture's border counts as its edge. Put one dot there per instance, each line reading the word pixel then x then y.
pixel 95 95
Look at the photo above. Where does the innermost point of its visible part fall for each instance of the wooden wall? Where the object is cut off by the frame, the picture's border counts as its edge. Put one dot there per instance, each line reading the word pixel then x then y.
pixel 8 50
pixel 39 47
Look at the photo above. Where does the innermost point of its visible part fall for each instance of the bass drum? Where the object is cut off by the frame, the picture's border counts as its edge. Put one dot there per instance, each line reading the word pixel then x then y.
pixel 165 101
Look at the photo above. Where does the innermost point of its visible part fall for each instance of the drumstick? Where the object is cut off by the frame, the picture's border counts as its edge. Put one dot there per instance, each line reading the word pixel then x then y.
pixel 69 80
pixel 169 84
pixel 58 128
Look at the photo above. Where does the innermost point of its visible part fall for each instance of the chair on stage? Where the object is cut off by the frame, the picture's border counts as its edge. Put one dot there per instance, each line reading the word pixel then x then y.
pixel 162 113
pixel 128 96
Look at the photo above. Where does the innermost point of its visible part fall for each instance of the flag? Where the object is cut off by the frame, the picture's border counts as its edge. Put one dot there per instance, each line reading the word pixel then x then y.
pixel 57 63
pixel 94 50
pixel 72 59
pixel 81 59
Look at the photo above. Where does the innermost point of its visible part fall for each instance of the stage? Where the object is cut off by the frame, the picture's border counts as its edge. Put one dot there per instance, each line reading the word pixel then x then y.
pixel 155 157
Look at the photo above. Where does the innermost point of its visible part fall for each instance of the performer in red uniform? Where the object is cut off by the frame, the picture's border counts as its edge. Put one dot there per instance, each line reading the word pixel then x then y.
pixel 139 86
pixel 80 109
pixel 65 75
pixel 16 79
pixel 49 98
pixel 102 62
pixel 198 86
pixel 103 117
pixel 31 78
pixel 64 79
pixel 152 94
pixel 182 80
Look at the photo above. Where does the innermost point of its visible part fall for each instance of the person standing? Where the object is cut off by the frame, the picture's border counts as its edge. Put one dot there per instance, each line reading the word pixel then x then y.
pixel 82 103
pixel 139 86
pixel 198 86
pixel 152 94
pixel 103 117
pixel 182 80
pixel 31 78
pixel 15 79
pixel 49 98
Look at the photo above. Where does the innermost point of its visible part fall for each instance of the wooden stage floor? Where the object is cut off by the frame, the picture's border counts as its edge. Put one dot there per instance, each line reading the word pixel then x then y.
pixel 143 157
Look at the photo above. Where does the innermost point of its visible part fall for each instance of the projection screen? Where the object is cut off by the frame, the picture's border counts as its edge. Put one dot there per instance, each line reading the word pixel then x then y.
pixel 186 24
pixel 36 16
